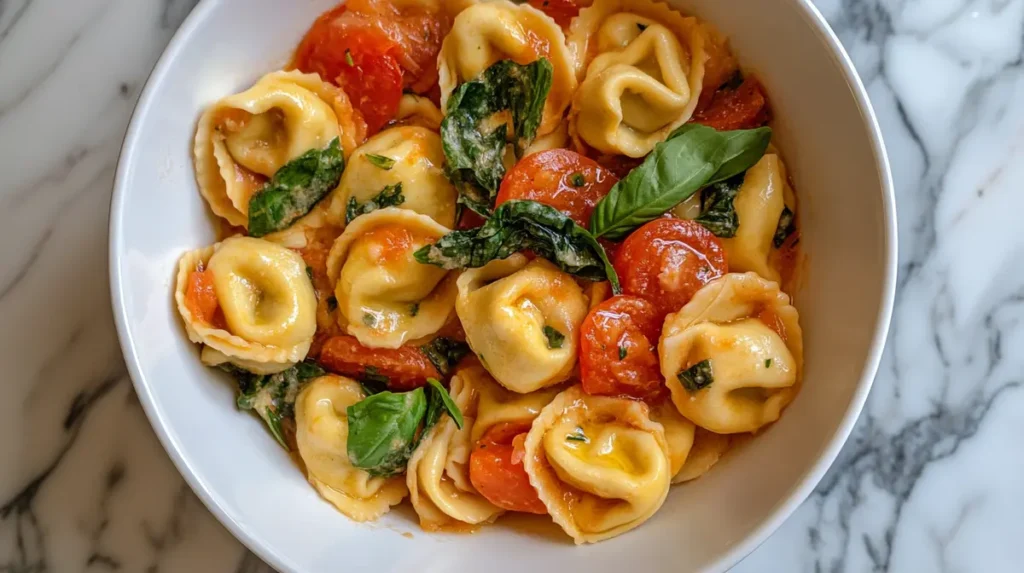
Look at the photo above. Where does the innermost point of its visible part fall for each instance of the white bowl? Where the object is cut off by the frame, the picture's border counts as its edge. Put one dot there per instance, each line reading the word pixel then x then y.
pixel 834 150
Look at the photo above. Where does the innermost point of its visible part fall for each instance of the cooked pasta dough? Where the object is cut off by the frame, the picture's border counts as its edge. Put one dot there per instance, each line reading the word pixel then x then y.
pixel 499 405
pixel 411 156
pixel 322 438
pixel 487 32
pixel 679 435
pixel 599 464
pixel 708 448
pixel 243 139
pixel 385 297
pixel 758 203
pixel 438 472
pixel 420 111
pixel 513 312
pixel 749 333
pixel 644 67
pixel 265 297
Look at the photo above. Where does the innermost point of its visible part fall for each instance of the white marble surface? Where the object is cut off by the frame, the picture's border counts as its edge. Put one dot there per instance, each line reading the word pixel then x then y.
pixel 931 481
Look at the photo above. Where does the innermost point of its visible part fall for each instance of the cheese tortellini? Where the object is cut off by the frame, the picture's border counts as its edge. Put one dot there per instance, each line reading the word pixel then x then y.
pixel 707 449
pixel 599 464
pixel 385 297
pixel 747 332
pixel 265 304
pixel 438 472
pixel 410 156
pixel 759 204
pixel 522 320
pixel 498 405
pixel 644 70
pixel 322 437
pixel 487 32
pixel 243 139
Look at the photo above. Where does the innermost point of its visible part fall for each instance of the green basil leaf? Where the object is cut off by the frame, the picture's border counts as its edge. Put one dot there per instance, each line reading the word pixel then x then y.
pixel 524 225
pixel 785 228
pixel 474 137
pixel 578 435
pixel 697 377
pixel 380 161
pixel 693 156
pixel 372 381
pixel 295 189
pixel 439 394
pixel 389 196
pixel 272 396
pixel 623 352
pixel 718 214
pixel 444 353
pixel 382 431
pixel 555 338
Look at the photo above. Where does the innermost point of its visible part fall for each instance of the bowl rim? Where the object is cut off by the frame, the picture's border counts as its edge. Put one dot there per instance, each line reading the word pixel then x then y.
pixel 214 502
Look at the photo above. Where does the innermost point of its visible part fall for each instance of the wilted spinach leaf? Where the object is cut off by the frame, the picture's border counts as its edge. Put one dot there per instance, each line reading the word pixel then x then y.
pixel 295 189
pixel 785 228
pixel 718 214
pixel 696 377
pixel 444 353
pixel 389 196
pixel 272 396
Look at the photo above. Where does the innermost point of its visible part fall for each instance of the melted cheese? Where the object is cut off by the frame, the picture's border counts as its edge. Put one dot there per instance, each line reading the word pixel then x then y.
pixel 385 297
pixel 755 366
pixel 644 72
pixel 599 464
pixel 438 472
pixel 485 33
pixel 504 308
pixel 322 438
pixel 243 139
pixel 418 165
pixel 759 204
pixel 266 298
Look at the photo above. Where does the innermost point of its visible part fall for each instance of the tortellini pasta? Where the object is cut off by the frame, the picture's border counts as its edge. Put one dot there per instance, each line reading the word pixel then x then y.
pixel 438 472
pixel 498 405
pixel 679 435
pixel 644 70
pixel 707 449
pixel 322 437
pixel 485 33
pixel 522 320
pixel 759 204
pixel 745 328
pixel 243 139
pixel 411 156
pixel 599 464
pixel 420 111
pixel 264 299
pixel 385 298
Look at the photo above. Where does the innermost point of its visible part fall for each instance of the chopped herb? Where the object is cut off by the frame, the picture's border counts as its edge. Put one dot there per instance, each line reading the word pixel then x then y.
pixel 348 58
pixel 696 377
pixel 577 180
pixel 718 212
pixel 272 396
pixel 309 272
pixel 372 381
pixel 385 163
pixel 414 309
pixel 444 353
pixel 768 363
pixel 555 338
pixel 622 353
pixel 641 27
pixel 389 196
pixel 577 436
pixel 785 228
pixel 369 319
pixel 332 303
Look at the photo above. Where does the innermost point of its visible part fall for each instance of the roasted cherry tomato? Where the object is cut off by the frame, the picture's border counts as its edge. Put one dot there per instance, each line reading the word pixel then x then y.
pixel 561 11
pixel 745 107
pixel 201 299
pixel 619 165
pixel 666 261
pixel 360 58
pixel 405 367
pixel 619 349
pixel 564 179
pixel 496 469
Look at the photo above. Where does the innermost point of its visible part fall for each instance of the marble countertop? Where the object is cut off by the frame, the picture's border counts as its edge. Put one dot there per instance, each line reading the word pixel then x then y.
pixel 930 481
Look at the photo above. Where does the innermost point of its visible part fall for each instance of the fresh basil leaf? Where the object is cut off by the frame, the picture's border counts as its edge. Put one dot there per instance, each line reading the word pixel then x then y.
pixel 718 214
pixel 623 352
pixel 272 396
pixel 697 377
pixel 389 196
pixel 385 163
pixel 372 381
pixel 785 228
pixel 474 136
pixel 442 395
pixel 382 431
pixel 444 353
pixel 555 338
pixel 692 157
pixel 524 225
pixel 295 189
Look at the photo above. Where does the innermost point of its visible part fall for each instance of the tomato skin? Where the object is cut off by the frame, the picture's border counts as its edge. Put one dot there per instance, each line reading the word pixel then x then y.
pixel 201 299
pixel 745 107
pixel 633 325
pixel 496 470
pixel 360 59
pixel 406 367
pixel 551 177
pixel 561 11
pixel 667 261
